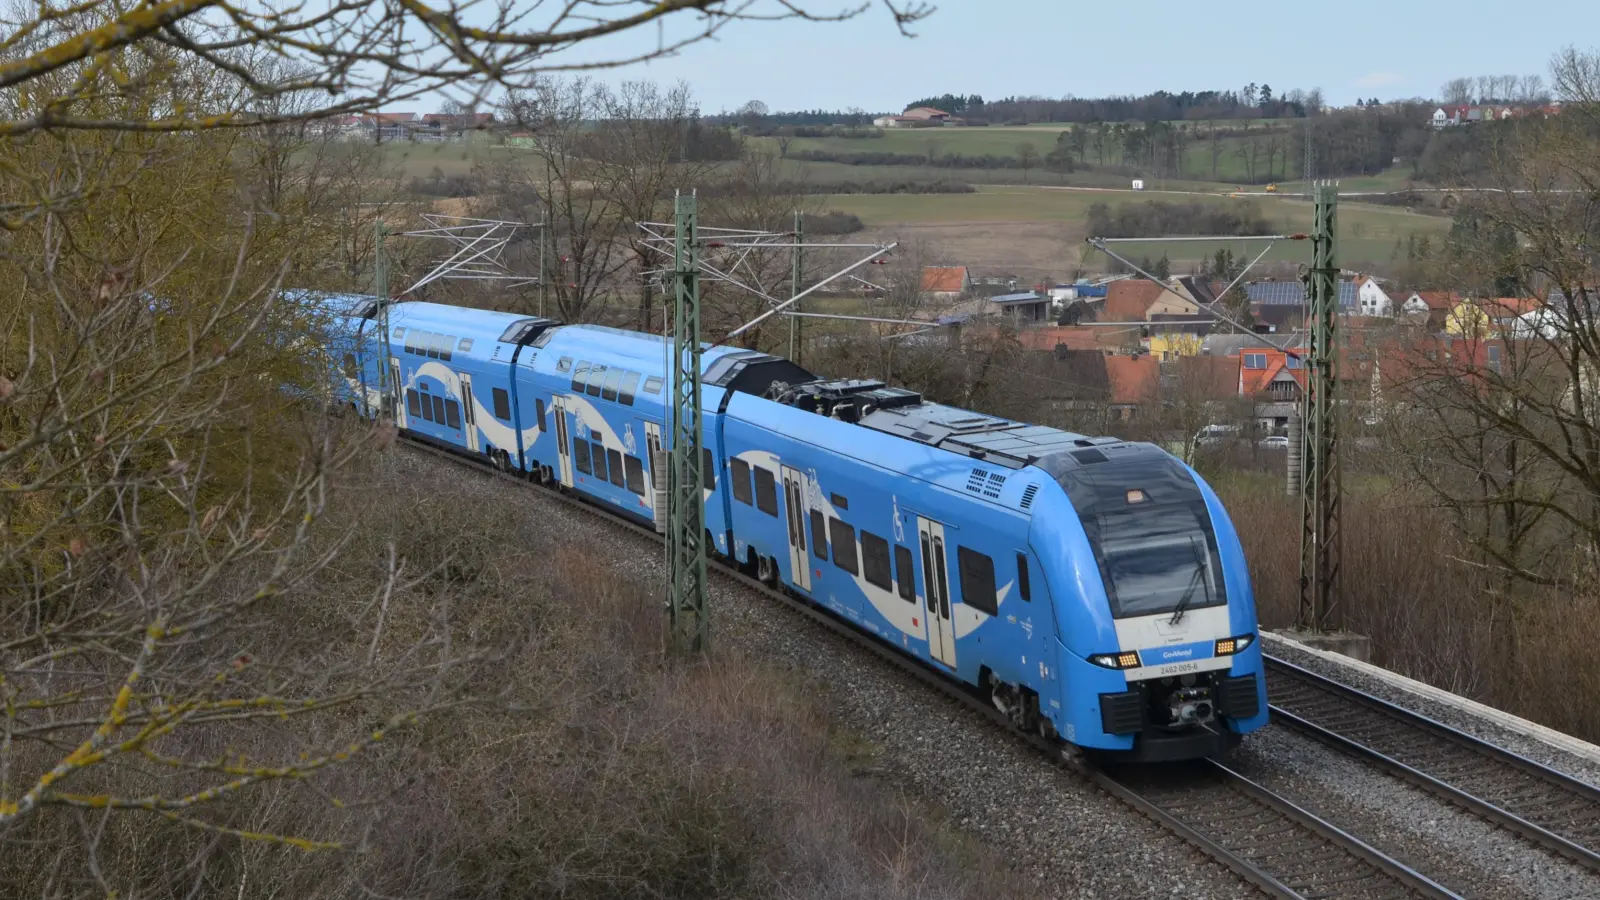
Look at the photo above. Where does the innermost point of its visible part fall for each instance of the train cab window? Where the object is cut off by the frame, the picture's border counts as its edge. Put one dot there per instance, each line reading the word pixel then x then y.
pixel 413 402
pixel 1023 588
pixel 708 470
pixel 614 460
pixel 652 385
pixel 819 535
pixel 613 378
pixel 598 457
pixel 445 344
pixel 844 545
pixel 538 411
pixel 875 561
pixel 766 492
pixel 465 345
pixel 579 376
pixel 597 377
pixel 438 410
pixel 906 570
pixel 630 386
pixel 350 365
pixel 635 470
pixel 452 414
pixel 502 404
pixel 739 471
pixel 564 364
pixel 977 581
pixel 580 455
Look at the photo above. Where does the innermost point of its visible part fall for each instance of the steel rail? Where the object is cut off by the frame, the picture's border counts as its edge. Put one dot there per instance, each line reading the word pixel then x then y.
pixel 1553 818
pixel 1407 884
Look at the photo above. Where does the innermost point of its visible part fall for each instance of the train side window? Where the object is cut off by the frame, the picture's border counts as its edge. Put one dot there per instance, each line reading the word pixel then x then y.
pixel 580 455
pixel 766 492
pixel 433 344
pixel 452 414
pixel 977 580
pixel 465 346
pixel 579 376
pixel 410 345
pixel 350 366
pixel 427 405
pixel 844 545
pixel 652 385
pixel 630 386
pixel 907 571
pixel 613 378
pixel 502 404
pixel 413 402
pixel 635 468
pixel 614 460
pixel 819 535
pixel 398 332
pixel 538 410
pixel 739 471
pixel 1023 587
pixel 438 410
pixel 708 470
pixel 875 561
pixel 564 364
pixel 444 347
pixel 597 378
pixel 598 457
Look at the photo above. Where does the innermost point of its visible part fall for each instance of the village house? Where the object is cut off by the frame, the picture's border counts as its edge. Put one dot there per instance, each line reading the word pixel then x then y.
pixel 945 283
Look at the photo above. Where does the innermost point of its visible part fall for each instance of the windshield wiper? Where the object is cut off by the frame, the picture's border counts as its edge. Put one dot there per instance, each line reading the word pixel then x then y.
pixel 1194 582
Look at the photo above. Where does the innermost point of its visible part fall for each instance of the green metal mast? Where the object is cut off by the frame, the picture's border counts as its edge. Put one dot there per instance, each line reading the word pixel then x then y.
pixel 686 530
pixel 796 324
pixel 380 278
pixel 1320 532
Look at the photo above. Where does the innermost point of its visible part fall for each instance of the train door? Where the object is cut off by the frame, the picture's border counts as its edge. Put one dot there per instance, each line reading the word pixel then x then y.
pixel 558 411
pixel 469 415
pixel 794 499
pixel 656 487
pixel 397 395
pixel 936 583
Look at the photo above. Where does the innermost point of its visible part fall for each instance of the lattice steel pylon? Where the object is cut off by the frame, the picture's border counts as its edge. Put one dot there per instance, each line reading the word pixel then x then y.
pixel 686 530
pixel 1320 535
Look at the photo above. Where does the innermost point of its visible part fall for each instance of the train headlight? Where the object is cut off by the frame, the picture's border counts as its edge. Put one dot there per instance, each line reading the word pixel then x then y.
pixel 1230 646
pixel 1128 660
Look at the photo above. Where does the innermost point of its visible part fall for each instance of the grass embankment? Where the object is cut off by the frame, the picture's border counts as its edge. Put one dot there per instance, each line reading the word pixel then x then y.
pixel 595 770
pixel 1408 582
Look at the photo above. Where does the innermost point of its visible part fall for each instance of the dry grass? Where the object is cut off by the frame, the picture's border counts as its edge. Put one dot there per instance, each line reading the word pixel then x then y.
pixel 592 769
pixel 1431 614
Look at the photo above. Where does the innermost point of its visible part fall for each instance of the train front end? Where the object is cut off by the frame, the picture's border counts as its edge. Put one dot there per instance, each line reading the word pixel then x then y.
pixel 1159 652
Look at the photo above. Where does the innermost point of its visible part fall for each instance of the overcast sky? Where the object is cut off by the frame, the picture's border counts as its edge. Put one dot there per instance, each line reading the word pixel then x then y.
pixel 996 48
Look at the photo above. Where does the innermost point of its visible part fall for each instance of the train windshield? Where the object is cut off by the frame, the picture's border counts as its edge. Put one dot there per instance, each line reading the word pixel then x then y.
pixel 1151 534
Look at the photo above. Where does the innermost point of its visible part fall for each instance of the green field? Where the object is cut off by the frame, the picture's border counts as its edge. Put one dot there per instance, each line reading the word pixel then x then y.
pixel 1367 232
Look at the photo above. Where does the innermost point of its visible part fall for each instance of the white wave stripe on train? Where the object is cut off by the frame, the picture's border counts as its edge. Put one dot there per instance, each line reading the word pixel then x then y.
pixel 499 434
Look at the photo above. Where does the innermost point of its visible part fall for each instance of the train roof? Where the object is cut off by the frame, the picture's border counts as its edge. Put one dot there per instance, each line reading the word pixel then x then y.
pixel 355 306
pixel 733 368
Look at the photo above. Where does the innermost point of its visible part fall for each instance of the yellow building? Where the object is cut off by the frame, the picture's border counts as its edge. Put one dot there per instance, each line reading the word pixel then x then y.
pixel 1174 344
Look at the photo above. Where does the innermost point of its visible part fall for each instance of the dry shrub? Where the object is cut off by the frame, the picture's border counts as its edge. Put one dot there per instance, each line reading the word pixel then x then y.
pixel 593 768
pixel 1432 615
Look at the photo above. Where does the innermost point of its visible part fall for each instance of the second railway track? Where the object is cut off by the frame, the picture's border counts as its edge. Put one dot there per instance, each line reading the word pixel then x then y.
pixel 1529 799
pixel 1264 838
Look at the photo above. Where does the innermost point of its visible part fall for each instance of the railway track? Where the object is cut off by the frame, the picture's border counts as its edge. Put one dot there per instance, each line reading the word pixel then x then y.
pixel 1282 849
pixel 1544 806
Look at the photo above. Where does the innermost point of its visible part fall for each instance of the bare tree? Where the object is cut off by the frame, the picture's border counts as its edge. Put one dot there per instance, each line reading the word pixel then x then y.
pixel 1456 92
pixel 1027 158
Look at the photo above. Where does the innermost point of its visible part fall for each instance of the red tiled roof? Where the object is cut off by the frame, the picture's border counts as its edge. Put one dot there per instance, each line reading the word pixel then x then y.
pixel 1255 381
pixel 944 279
pixel 1440 300
pixel 1053 336
pixel 1130 300
pixel 1512 306
pixel 1134 379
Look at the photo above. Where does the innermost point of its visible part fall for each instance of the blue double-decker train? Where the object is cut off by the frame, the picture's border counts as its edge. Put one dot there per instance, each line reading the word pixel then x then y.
pixel 1093 588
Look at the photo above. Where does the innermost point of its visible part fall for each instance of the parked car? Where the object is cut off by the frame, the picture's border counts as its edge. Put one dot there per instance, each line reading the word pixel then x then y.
pixel 1274 442
pixel 1216 434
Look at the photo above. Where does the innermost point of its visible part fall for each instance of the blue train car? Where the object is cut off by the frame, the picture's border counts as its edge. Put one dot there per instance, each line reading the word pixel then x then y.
pixel 1094 588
